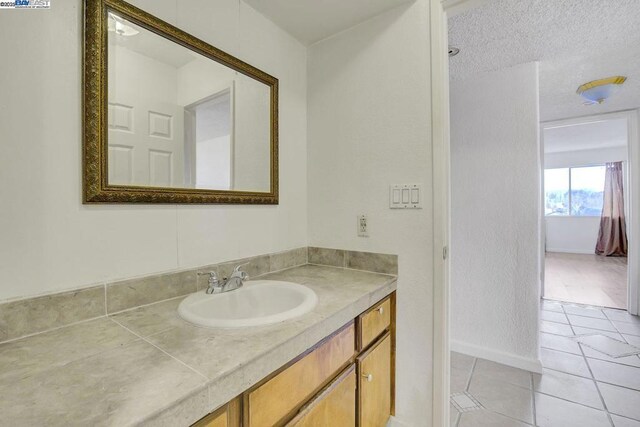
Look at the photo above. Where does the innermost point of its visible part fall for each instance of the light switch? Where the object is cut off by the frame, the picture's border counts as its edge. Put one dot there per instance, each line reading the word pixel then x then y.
pixel 395 198
pixel 405 196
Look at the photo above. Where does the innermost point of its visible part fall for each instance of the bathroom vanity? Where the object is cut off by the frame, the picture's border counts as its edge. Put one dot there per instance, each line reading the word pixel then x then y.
pixel 344 380
pixel 145 365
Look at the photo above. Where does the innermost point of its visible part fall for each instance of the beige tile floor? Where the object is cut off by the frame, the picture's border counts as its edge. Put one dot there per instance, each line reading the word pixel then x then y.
pixel 586 279
pixel 581 386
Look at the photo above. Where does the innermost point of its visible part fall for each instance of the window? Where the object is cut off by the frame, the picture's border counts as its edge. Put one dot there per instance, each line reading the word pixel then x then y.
pixel 574 191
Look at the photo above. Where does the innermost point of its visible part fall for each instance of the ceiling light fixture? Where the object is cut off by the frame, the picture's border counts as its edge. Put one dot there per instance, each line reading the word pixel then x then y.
pixel 453 51
pixel 117 26
pixel 597 91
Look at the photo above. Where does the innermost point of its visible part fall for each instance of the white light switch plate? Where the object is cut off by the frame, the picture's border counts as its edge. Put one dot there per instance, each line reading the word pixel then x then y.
pixel 405 196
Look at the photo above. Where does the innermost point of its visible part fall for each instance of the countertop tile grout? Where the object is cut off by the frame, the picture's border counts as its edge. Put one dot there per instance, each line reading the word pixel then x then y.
pixel 162 350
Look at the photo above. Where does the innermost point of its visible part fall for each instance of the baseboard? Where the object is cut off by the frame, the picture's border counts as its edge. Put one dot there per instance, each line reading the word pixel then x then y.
pixel 394 422
pixel 531 365
pixel 572 251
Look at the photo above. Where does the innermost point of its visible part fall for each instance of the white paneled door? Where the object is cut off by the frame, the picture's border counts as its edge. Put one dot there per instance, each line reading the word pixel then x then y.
pixel 146 144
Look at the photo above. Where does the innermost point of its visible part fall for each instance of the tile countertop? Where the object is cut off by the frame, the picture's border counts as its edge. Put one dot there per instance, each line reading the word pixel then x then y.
pixel 147 366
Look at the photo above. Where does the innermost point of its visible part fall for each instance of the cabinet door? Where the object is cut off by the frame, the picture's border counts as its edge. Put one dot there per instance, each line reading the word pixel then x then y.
pixel 374 384
pixel 335 406
pixel 282 395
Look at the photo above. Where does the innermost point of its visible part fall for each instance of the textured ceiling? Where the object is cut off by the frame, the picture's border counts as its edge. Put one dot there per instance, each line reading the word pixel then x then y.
pixel 575 41
pixel 310 21
pixel 585 136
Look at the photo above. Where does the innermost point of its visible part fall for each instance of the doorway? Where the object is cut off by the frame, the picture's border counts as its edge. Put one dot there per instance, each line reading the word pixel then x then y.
pixel 524 42
pixel 576 155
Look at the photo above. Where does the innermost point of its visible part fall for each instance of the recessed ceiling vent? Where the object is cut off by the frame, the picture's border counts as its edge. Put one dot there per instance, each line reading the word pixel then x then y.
pixel 453 51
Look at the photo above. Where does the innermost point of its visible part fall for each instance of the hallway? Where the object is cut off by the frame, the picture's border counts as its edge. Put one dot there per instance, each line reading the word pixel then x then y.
pixel 586 279
pixel 591 375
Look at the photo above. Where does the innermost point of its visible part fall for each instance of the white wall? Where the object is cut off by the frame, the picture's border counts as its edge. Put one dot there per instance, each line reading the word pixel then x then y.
pixel 495 205
pixel 567 159
pixel 50 241
pixel 577 234
pixel 251 118
pixel 369 127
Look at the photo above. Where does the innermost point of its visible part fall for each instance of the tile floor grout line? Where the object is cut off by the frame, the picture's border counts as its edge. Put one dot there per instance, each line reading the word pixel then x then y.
pixel 559 335
pixel 592 357
pixel 553 321
pixel 604 404
pixel 593 378
pixel 473 370
pixel 596 329
pixel 618 386
pixel 508 416
pixel 618 331
pixel 561 351
pixel 587 378
pixel 568 400
pixel 533 399
pixel 466 388
pixel 568 320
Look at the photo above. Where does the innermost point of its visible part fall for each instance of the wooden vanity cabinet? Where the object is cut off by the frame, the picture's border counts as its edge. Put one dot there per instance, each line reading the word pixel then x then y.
pixel 346 380
pixel 374 384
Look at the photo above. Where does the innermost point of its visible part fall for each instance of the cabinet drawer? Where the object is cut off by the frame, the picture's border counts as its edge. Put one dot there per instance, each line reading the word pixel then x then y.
pixel 268 404
pixel 335 406
pixel 227 416
pixel 217 420
pixel 374 322
pixel 374 384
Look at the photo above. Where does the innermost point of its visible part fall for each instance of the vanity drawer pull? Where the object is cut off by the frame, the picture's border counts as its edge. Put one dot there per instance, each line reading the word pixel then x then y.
pixel 374 322
pixel 368 377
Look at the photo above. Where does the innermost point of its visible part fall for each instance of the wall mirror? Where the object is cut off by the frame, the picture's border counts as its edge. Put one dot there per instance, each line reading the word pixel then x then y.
pixel 169 118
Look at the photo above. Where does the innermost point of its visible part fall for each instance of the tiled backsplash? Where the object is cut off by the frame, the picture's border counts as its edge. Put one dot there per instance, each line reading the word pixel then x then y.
pixel 368 261
pixel 29 316
pixel 39 314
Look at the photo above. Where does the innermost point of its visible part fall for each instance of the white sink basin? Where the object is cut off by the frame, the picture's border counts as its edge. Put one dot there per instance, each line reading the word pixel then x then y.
pixel 257 303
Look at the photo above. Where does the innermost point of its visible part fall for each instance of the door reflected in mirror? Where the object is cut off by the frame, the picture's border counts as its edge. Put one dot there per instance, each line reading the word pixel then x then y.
pixel 178 119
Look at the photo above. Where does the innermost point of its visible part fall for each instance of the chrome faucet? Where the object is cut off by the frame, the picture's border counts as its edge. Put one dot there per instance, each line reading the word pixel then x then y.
pixel 235 281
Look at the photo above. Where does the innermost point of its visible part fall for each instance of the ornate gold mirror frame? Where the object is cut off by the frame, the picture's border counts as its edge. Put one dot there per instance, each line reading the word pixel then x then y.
pixel 95 124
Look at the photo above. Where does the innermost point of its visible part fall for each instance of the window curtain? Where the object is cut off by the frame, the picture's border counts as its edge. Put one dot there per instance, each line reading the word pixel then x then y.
pixel 612 238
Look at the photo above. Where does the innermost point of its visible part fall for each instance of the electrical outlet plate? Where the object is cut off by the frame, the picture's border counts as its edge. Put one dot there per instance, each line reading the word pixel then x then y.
pixel 363 226
pixel 405 196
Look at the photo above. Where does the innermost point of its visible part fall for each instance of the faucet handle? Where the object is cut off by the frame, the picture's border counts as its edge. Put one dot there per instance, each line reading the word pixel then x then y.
pixel 213 276
pixel 243 274
pixel 238 267
pixel 209 273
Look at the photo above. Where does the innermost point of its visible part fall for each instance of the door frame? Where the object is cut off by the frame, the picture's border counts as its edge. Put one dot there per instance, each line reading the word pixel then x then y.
pixel 632 203
pixel 439 11
pixel 189 132
pixel 441 213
